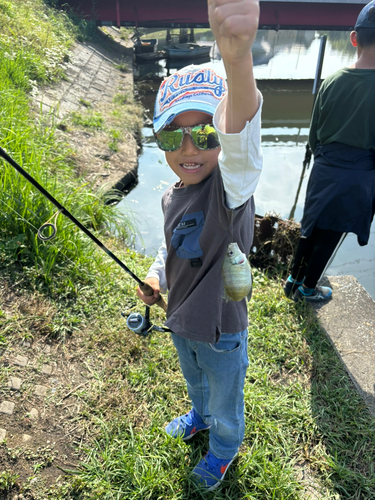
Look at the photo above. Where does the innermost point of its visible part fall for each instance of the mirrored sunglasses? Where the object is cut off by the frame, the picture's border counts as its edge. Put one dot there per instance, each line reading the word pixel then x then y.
pixel 203 136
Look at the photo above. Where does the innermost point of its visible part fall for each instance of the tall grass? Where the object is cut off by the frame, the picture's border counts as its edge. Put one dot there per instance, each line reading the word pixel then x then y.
pixel 34 42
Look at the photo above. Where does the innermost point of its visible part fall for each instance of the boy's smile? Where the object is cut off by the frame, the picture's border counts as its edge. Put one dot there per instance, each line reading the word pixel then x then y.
pixel 190 163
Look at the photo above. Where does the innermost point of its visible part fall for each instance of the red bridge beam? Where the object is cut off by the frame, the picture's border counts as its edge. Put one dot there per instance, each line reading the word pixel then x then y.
pixel 274 14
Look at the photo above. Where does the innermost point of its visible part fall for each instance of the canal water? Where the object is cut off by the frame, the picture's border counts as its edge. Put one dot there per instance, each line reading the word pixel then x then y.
pixel 285 66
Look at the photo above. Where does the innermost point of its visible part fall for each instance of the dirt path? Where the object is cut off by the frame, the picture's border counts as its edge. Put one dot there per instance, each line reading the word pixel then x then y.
pixel 96 76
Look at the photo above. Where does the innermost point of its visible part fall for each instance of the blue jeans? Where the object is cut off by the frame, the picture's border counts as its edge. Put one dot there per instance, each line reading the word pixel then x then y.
pixel 215 377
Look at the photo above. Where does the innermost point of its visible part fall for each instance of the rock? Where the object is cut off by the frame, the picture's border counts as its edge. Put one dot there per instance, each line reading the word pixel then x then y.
pixel 20 360
pixel 40 390
pixel 7 407
pixel 15 383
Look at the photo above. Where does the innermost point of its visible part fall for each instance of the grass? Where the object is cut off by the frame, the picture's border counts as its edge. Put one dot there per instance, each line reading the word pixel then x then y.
pixel 34 45
pixel 307 430
pixel 302 412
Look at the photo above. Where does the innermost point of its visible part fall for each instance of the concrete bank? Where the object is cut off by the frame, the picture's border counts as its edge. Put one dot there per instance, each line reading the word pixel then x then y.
pixel 349 323
pixel 93 79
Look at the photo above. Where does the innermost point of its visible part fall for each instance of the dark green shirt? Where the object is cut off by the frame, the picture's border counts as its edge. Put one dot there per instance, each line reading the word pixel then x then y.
pixel 344 110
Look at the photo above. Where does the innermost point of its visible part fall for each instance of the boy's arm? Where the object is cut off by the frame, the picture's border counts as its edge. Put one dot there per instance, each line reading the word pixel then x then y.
pixel 234 24
pixel 156 277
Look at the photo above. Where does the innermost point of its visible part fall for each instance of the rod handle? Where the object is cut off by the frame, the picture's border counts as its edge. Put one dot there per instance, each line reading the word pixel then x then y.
pixel 148 290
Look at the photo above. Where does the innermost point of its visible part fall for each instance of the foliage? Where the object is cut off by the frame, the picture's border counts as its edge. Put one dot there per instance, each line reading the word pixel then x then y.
pixel 34 45
pixel 307 431
pixel 7 480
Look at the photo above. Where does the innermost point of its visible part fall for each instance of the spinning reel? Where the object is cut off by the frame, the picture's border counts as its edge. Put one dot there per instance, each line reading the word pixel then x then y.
pixel 141 325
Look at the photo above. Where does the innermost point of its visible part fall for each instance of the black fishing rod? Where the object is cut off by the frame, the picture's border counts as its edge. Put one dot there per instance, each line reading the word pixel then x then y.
pixel 146 289
pixel 316 86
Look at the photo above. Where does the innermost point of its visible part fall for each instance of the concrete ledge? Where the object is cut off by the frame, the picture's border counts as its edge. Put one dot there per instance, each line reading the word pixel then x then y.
pixel 349 322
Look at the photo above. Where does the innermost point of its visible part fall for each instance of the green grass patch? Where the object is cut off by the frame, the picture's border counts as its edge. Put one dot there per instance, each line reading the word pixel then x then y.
pixel 34 45
pixel 307 429
pixel 88 120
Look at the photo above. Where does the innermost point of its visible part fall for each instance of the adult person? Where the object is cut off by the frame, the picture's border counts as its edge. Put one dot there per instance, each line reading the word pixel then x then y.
pixel 340 195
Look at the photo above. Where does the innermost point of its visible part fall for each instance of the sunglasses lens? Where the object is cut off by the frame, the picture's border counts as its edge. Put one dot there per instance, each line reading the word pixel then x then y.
pixel 205 137
pixel 169 140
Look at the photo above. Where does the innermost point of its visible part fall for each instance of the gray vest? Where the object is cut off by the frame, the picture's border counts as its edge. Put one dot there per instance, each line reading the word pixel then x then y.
pixel 198 228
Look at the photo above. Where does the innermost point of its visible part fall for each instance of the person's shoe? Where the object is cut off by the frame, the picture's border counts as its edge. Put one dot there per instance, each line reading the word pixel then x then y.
pixel 317 294
pixel 186 426
pixel 291 286
pixel 211 471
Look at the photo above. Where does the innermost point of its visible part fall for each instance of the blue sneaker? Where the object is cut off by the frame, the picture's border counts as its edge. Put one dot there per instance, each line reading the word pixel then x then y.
pixel 317 294
pixel 211 471
pixel 186 426
pixel 291 286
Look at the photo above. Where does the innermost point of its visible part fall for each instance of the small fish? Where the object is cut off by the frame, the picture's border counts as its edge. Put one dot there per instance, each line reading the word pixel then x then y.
pixel 236 274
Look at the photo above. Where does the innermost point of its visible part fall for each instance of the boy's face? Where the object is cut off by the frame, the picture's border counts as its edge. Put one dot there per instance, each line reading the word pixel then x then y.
pixel 190 163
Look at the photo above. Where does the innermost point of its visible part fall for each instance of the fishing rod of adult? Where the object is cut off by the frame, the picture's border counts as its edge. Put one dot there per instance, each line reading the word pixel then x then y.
pixel 146 289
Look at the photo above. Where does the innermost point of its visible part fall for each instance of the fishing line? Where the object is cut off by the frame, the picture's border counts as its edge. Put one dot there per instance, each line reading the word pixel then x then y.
pixel 146 289
pixel 36 229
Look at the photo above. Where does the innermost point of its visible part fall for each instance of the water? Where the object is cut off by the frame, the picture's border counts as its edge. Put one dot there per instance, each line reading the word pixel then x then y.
pixel 285 65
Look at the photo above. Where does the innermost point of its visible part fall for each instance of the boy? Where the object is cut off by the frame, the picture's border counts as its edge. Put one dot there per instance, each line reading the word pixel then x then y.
pixel 340 194
pixel 211 206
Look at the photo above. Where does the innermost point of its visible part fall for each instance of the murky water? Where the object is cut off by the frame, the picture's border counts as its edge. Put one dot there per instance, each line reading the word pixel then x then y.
pixel 285 66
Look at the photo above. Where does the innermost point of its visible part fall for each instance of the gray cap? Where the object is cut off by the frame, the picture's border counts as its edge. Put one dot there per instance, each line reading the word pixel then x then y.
pixel 366 18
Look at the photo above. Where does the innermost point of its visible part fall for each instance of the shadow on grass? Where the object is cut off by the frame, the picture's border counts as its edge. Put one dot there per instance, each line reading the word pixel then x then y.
pixel 344 423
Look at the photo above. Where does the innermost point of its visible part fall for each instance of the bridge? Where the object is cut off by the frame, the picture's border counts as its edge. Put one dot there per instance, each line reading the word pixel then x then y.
pixel 274 14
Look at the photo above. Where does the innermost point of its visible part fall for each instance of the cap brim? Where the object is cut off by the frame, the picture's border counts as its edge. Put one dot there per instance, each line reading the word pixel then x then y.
pixel 168 116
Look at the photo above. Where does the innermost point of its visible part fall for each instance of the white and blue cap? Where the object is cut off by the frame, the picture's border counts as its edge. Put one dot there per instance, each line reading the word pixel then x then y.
pixel 190 89
pixel 366 18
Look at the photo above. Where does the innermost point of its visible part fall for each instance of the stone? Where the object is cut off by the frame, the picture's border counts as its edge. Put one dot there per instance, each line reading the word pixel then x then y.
pixel 40 390
pixel 25 437
pixel 7 407
pixel 20 360
pixel 34 413
pixel 47 369
pixel 15 383
pixel 47 349
pixel 3 434
pixel 348 320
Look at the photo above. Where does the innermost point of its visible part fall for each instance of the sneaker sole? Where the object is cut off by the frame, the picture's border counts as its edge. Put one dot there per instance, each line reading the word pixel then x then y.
pixel 307 298
pixel 195 433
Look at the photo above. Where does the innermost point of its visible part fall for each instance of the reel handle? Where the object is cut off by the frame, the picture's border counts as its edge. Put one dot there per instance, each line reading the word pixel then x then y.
pixel 148 290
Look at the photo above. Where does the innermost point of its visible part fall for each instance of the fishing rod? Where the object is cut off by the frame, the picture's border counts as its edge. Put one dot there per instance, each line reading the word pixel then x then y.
pixel 141 327
pixel 316 87
pixel 308 152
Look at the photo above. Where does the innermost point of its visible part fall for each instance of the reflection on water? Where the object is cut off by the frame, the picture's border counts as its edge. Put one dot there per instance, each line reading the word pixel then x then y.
pixel 285 80
pixel 287 54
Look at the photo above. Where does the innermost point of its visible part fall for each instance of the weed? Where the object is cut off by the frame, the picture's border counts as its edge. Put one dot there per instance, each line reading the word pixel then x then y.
pixel 122 66
pixel 7 480
pixel 115 134
pixel 92 120
pixel 85 103
pixel 123 98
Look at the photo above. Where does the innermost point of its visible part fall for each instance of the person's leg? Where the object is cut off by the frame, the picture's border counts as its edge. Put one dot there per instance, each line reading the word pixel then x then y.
pixel 325 244
pixel 198 419
pixel 225 365
pixel 300 262
pixel 303 253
